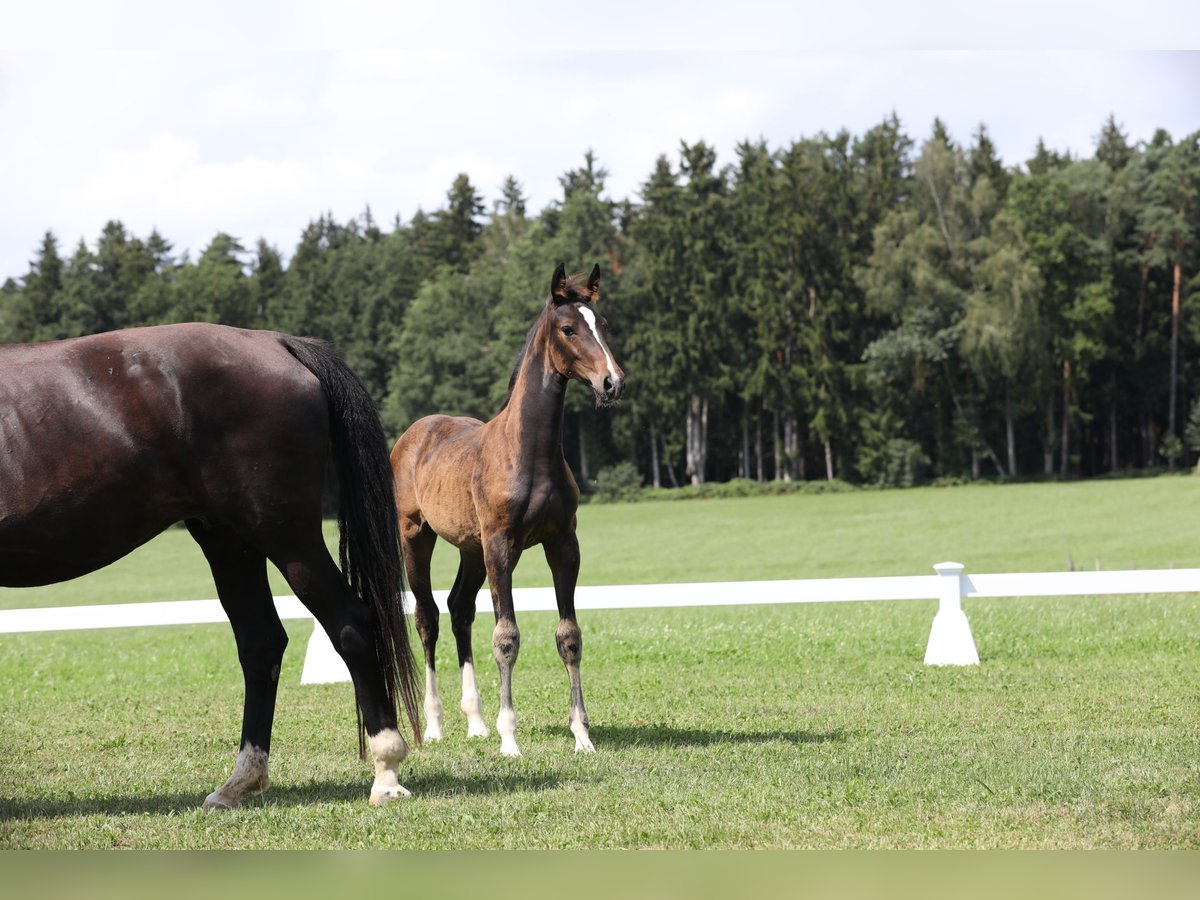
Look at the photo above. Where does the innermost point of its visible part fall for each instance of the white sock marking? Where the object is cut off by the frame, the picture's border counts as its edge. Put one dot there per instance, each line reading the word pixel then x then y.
pixel 389 749
pixel 583 743
pixel 433 707
pixel 506 725
pixel 471 704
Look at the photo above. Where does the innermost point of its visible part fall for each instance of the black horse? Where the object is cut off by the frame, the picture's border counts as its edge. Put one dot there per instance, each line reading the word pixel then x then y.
pixel 107 440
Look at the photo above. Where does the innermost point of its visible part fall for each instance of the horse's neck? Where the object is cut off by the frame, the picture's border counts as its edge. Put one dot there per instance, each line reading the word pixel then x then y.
pixel 533 417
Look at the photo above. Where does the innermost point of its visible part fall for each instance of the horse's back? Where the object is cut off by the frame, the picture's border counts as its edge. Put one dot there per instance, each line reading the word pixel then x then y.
pixel 108 439
pixel 146 389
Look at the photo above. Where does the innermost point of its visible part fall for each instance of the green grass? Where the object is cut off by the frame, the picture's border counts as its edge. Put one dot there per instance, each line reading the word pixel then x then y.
pixel 770 727
pixel 808 726
pixel 1142 523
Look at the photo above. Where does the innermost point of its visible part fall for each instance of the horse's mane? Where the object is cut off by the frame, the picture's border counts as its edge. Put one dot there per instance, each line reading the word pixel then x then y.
pixel 512 379
pixel 575 291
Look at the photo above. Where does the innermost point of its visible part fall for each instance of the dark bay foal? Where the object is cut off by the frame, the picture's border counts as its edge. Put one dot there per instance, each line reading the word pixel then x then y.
pixel 494 489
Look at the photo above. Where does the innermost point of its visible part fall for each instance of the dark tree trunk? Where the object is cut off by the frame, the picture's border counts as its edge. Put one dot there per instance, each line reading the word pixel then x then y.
pixel 1066 420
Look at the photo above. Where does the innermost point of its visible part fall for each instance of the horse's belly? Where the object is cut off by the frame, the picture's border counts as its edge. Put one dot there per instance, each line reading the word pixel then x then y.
pixel 53 529
pixel 33 570
pixel 52 563
pixel 460 531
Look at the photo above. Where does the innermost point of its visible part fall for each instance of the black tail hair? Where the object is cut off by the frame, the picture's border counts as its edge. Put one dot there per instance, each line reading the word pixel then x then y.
pixel 369 548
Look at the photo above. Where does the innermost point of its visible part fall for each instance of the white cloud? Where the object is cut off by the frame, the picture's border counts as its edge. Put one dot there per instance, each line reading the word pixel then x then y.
pixel 258 142
pixel 241 102
pixel 169 186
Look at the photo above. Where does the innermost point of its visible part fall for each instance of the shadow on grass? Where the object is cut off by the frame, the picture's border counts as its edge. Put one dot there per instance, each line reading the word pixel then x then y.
pixel 422 784
pixel 287 795
pixel 658 734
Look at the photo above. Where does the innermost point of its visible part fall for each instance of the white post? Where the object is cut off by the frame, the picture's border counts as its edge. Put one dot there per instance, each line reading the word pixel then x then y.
pixel 322 665
pixel 950 640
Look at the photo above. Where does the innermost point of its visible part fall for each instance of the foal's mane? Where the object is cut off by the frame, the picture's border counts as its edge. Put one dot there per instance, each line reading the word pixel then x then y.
pixel 576 290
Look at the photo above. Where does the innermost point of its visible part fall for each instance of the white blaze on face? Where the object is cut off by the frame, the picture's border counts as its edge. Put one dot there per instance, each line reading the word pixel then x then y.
pixel 590 318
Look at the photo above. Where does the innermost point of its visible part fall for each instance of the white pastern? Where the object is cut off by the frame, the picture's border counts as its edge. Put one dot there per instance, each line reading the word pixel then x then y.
pixel 433 707
pixel 389 749
pixel 472 704
pixel 249 774
pixel 506 725
pixel 583 743
pixel 590 318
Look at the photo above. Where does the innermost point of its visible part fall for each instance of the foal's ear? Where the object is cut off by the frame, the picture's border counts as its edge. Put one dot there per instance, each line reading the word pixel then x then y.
pixel 558 282
pixel 593 283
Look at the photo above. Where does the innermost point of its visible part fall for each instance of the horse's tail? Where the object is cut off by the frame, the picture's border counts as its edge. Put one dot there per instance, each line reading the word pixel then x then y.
pixel 370 531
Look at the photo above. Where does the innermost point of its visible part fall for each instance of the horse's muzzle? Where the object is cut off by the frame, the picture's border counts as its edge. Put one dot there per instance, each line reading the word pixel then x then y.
pixel 613 388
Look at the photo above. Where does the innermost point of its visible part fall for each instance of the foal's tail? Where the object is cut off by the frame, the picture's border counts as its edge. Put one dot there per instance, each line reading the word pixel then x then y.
pixel 370 532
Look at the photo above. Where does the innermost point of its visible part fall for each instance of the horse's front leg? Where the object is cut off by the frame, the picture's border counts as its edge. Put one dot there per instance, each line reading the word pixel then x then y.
pixel 500 555
pixel 562 554
pixel 471 575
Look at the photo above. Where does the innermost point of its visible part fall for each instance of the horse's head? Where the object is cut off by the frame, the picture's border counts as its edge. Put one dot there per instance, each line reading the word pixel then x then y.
pixel 576 336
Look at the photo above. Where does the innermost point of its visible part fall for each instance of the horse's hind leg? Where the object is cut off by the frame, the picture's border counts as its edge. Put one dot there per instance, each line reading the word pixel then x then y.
pixel 240 572
pixel 562 553
pixel 417 541
pixel 351 625
pixel 471 573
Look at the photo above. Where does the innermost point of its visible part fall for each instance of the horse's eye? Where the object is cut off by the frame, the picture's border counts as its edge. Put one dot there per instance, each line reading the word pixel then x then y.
pixel 568 331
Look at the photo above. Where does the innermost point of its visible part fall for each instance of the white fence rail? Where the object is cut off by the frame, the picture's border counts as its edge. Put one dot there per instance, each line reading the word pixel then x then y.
pixel 950 639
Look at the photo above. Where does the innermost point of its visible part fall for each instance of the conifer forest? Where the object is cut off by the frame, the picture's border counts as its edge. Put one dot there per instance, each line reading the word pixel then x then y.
pixel 870 309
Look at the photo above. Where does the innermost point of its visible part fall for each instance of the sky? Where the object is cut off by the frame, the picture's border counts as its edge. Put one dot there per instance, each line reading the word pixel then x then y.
pixel 255 118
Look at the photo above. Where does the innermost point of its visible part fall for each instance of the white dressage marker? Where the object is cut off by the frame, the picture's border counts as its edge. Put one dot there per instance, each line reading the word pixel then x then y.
pixel 950 638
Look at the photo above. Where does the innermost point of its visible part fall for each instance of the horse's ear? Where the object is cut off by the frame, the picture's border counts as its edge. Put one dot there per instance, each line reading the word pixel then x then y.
pixel 593 283
pixel 558 282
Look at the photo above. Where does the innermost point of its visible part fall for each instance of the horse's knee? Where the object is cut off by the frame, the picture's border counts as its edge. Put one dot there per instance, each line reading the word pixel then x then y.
pixel 262 655
pixel 506 642
pixel 569 639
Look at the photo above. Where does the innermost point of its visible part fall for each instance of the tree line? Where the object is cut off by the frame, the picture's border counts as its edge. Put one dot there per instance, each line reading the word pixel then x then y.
pixel 842 307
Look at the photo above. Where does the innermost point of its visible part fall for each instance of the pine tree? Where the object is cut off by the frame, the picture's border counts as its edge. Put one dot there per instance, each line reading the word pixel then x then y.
pixel 457 225
pixel 268 281
pixel 216 288
pixel 1112 145
pixel 659 294
pixel 703 318
pixel 762 297
pixel 35 313
pixel 1169 184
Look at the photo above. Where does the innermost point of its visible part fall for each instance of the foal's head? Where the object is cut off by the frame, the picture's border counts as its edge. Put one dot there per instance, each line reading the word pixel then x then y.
pixel 576 340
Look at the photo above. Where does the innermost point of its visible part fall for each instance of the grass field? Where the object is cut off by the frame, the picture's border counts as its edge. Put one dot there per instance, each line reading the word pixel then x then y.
pixel 1139 523
pixel 812 726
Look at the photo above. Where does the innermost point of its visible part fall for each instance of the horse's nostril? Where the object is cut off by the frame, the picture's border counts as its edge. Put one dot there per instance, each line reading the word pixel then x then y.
pixel 608 385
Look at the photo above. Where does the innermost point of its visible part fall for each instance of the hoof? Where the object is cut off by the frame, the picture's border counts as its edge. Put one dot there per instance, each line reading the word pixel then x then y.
pixel 584 745
pixel 433 732
pixel 216 800
pixel 382 795
pixel 477 729
pixel 510 749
